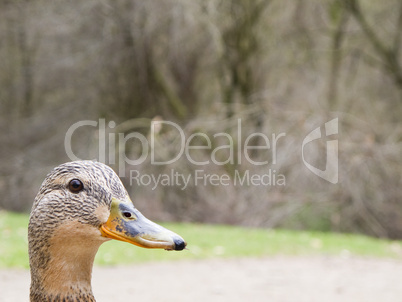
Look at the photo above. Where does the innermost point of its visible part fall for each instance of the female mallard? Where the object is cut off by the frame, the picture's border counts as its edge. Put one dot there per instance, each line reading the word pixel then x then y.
pixel 79 206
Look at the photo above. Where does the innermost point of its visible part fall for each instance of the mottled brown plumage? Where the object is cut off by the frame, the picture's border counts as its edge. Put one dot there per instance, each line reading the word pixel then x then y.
pixel 68 223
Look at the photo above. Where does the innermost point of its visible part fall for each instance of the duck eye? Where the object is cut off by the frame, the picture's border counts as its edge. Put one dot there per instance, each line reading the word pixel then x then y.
pixel 75 186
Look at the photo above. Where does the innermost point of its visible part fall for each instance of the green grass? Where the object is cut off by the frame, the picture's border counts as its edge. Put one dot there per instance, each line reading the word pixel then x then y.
pixel 13 240
pixel 207 241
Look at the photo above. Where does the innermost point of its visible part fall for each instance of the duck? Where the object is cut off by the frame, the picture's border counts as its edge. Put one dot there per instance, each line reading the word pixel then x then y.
pixel 79 206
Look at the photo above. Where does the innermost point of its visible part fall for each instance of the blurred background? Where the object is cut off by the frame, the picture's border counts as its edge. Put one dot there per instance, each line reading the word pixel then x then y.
pixel 280 66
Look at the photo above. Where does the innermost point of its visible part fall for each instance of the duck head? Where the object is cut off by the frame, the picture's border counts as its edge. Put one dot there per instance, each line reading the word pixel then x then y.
pixel 79 206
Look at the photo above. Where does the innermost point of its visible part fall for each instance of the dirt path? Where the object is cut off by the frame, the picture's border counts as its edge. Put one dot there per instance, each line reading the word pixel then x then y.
pixel 276 279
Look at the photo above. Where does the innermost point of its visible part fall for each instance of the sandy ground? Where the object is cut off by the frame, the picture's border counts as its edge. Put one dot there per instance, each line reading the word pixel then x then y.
pixel 268 279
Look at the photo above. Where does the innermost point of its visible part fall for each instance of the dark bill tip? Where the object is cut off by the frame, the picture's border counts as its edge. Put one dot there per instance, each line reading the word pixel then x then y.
pixel 180 244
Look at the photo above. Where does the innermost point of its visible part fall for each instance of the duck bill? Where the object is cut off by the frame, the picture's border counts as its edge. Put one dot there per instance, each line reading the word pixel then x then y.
pixel 127 224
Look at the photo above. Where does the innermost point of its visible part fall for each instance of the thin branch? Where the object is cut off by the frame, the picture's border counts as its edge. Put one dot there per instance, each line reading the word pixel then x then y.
pixel 398 33
pixel 388 54
pixel 354 8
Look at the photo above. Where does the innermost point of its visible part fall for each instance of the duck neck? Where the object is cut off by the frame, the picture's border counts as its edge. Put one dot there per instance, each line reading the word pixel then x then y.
pixel 62 269
pixel 66 275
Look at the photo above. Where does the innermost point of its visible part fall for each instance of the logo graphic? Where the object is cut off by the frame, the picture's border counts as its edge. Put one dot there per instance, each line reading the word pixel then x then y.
pixel 330 173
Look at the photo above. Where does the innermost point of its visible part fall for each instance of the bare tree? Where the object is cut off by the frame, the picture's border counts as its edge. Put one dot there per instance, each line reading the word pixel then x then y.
pixel 388 55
